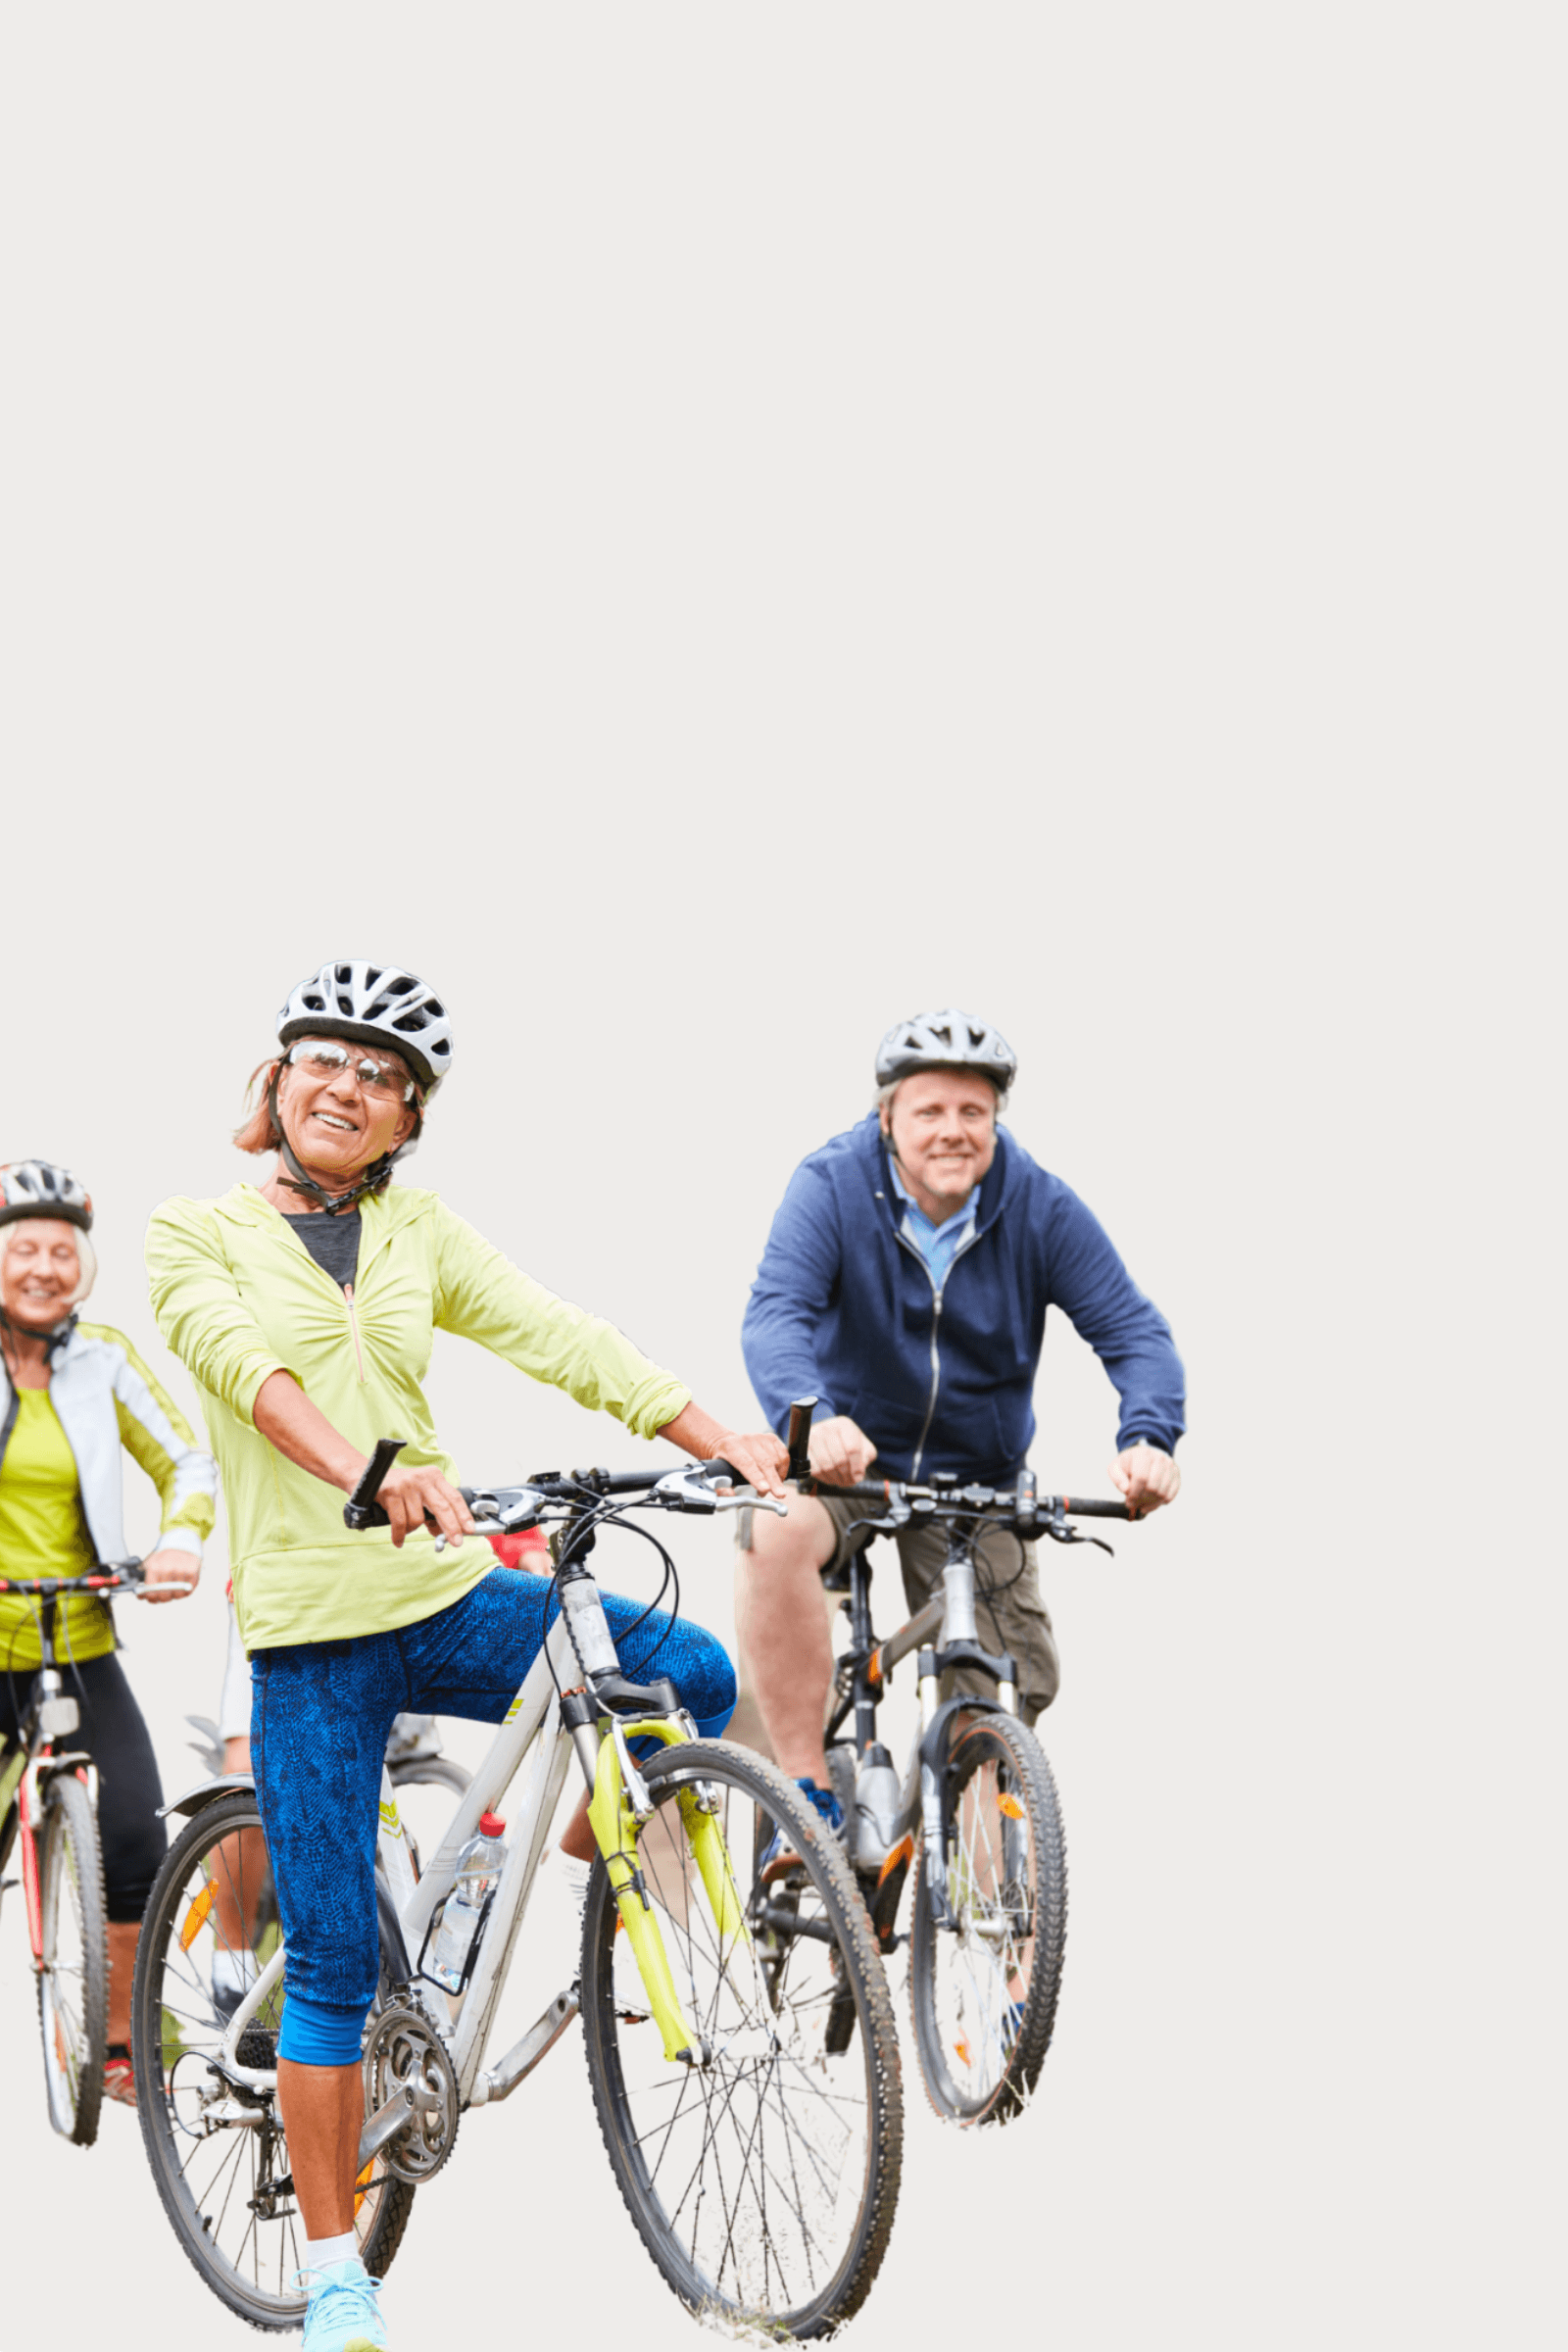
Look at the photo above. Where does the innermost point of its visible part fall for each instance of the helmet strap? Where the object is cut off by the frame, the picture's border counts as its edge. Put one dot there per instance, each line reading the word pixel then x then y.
pixel 54 1339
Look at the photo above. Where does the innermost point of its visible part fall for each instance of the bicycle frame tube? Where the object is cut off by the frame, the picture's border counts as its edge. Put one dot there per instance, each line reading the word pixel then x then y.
pixel 948 1617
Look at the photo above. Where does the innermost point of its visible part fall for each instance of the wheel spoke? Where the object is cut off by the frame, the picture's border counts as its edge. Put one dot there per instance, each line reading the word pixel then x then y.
pixel 755 2170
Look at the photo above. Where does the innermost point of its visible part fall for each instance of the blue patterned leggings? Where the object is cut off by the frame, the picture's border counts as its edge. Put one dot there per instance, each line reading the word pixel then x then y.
pixel 320 1712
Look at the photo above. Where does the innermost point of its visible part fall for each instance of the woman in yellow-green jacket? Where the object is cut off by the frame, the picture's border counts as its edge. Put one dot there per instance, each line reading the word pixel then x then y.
pixel 304 1309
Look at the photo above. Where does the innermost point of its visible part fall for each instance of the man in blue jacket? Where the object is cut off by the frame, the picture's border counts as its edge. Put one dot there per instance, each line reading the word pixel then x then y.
pixel 905 1284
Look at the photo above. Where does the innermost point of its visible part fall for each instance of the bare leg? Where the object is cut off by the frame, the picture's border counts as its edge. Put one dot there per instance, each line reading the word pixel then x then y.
pixel 577 1838
pixel 123 1934
pixel 786 1653
pixel 324 2114
pixel 240 1868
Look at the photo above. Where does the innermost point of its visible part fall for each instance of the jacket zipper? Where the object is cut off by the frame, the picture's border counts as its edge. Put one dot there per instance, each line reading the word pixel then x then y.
pixel 354 1327
pixel 936 1333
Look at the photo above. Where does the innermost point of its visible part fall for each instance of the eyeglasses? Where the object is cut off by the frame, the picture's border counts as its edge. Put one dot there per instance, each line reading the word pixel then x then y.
pixel 319 1057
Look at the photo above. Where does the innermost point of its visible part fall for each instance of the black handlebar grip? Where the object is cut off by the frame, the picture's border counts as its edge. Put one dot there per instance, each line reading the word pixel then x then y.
pixel 800 1437
pixel 1095 1510
pixel 362 1509
pixel 719 1470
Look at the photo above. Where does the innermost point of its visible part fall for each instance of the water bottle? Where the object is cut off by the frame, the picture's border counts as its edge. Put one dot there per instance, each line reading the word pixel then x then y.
pixel 876 1807
pixel 479 1866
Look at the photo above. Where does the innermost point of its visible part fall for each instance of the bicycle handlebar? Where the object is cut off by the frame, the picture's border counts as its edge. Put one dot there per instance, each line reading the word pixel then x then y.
pixel 967 1502
pixel 114 1576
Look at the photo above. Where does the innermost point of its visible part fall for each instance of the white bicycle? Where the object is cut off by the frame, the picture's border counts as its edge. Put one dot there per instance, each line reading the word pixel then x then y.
pixel 757 2155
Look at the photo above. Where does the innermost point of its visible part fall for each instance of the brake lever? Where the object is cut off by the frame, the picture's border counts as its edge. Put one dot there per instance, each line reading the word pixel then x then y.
pixel 688 1489
pixel 1061 1530
pixel 499 1510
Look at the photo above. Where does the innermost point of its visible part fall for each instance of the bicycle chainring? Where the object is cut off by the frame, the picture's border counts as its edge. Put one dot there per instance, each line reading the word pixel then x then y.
pixel 405 2052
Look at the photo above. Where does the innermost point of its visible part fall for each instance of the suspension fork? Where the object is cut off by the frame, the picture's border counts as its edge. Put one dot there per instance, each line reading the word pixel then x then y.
pixel 620 1805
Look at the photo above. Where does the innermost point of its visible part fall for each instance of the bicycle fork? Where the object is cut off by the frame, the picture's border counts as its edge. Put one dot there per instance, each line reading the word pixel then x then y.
pixel 619 1807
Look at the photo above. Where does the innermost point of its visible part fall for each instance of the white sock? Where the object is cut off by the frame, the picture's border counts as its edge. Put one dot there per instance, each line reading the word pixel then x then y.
pixel 322 2252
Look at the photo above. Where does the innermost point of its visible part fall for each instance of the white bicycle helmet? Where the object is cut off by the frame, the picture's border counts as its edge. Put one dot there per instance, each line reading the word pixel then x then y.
pixel 946 1040
pixel 374 1004
pixel 36 1188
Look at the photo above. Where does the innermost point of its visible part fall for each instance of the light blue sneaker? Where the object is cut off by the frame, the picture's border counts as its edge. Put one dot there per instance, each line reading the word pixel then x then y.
pixel 341 2315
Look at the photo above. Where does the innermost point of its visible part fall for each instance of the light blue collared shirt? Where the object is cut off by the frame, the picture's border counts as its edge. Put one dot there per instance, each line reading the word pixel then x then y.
pixel 937 1245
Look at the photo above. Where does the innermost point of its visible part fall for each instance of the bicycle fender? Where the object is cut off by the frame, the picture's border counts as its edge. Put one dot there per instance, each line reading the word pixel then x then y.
pixel 208 1792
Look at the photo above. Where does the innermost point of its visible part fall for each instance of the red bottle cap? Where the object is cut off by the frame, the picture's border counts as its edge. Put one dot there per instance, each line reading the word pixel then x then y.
pixel 491 1824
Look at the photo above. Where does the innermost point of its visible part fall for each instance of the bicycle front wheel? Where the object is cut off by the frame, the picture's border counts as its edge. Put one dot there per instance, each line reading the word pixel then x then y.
pixel 74 1964
pixel 986 1947
pixel 762 2181
pixel 217 2150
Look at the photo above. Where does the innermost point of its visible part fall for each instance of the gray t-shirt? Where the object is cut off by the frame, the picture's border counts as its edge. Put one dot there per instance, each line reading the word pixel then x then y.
pixel 333 1243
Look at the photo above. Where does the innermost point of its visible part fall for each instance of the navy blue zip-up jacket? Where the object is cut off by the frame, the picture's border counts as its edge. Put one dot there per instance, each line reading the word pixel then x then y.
pixel 844 1308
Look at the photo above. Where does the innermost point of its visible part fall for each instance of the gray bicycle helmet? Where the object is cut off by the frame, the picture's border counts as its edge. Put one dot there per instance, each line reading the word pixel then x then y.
pixel 36 1188
pixel 946 1040
pixel 374 1004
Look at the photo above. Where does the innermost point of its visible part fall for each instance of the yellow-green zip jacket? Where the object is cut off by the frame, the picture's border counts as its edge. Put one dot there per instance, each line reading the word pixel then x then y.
pixel 238 1296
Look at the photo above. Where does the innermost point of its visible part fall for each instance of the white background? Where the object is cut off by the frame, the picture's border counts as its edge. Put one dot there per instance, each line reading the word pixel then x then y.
pixel 703 533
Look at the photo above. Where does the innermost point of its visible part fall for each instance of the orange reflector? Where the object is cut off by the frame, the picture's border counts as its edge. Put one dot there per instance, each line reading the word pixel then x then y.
pixel 961 2045
pixel 361 2186
pixel 196 1916
pixel 901 1853
pixel 1007 1803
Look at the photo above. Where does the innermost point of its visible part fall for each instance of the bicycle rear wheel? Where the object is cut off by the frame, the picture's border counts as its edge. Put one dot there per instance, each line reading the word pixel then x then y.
pixel 426 1818
pixel 73 1965
pixel 985 1956
pixel 217 2151
pixel 764 2182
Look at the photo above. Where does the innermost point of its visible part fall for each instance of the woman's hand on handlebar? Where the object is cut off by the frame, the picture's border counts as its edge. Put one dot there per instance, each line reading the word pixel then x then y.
pixel 1145 1478
pixel 757 1461
pixel 414 1497
pixel 169 1575
pixel 838 1451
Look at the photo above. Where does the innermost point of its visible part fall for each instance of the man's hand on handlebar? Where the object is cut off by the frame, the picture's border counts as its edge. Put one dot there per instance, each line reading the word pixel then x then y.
pixel 1146 1478
pixel 169 1575
pixel 838 1451
pixel 412 1497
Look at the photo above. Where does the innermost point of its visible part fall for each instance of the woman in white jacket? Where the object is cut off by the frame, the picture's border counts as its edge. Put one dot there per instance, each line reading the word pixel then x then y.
pixel 75 1397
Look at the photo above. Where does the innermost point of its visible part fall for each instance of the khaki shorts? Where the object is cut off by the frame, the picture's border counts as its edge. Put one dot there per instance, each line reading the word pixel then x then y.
pixel 1009 1612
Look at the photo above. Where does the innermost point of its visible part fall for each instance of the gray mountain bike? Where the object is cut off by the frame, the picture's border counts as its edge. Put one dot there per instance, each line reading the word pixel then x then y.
pixel 758 2160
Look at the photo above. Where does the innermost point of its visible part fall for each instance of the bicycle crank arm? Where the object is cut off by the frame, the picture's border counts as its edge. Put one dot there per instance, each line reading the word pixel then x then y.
pixel 524 2056
pixel 393 2118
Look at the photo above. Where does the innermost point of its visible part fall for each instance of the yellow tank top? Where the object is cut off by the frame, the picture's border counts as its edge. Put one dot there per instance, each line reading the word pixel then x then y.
pixel 43 1532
